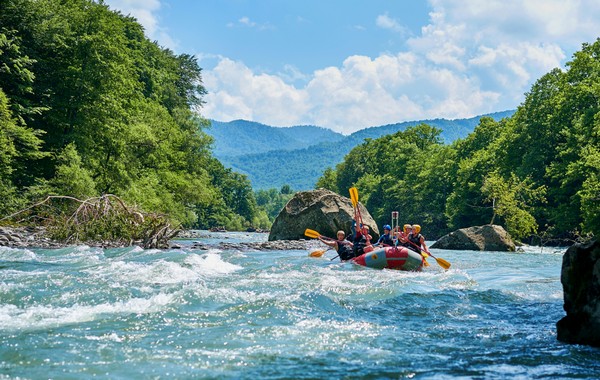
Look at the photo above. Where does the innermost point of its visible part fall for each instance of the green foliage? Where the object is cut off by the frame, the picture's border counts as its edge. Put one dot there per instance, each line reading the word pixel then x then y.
pixel 510 200
pixel 17 144
pixel 113 112
pixel 272 201
pixel 540 167
pixel 404 172
pixel 71 178
pixel 298 155
pixel 328 180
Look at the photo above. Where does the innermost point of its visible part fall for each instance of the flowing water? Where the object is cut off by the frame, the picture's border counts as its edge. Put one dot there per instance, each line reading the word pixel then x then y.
pixel 130 313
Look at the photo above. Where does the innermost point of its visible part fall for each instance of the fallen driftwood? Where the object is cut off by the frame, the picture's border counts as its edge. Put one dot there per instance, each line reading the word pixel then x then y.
pixel 100 221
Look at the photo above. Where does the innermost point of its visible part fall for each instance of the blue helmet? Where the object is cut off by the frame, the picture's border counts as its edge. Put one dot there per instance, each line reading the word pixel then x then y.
pixel 387 227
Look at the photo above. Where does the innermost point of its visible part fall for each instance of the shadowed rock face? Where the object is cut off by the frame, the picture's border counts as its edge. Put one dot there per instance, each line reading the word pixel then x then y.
pixel 479 238
pixel 580 277
pixel 321 210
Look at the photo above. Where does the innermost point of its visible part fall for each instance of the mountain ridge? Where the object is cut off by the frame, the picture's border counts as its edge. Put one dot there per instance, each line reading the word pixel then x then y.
pixel 297 156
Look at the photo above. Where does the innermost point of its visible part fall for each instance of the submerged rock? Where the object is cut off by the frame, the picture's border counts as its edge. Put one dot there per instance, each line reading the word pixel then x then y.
pixel 580 277
pixel 321 210
pixel 479 238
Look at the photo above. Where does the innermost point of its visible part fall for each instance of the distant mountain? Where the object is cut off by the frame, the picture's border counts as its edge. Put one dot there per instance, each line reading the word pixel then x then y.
pixel 451 129
pixel 240 137
pixel 297 156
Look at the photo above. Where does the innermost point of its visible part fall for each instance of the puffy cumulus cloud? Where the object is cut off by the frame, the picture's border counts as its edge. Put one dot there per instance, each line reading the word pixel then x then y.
pixel 565 21
pixel 505 45
pixel 235 92
pixel 362 92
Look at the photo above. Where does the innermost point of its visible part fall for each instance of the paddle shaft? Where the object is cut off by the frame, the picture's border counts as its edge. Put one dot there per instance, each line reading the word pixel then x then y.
pixel 443 263
pixel 357 214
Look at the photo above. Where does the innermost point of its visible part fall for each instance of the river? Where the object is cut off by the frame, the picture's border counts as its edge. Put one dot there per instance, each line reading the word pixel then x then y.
pixel 130 313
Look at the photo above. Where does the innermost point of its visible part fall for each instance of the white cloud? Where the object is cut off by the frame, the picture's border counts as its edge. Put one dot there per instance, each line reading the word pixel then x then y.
pixel 245 22
pixel 235 92
pixel 363 92
pixel 145 11
pixel 472 57
pixel 386 22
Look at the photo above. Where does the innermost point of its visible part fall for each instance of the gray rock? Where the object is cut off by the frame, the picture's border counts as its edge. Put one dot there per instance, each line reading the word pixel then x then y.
pixel 321 210
pixel 479 238
pixel 580 277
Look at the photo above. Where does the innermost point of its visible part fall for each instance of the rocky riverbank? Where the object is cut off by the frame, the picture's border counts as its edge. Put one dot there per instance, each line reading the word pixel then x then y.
pixel 36 237
pixel 26 237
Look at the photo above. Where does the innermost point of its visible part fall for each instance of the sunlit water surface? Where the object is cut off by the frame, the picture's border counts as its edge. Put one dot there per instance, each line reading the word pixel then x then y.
pixel 132 313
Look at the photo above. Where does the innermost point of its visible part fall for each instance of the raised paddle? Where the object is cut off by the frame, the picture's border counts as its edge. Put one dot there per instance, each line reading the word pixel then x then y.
pixel 354 198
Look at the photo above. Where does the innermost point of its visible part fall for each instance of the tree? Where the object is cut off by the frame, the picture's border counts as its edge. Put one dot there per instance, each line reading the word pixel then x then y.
pixel 510 201
pixel 328 180
pixel 118 113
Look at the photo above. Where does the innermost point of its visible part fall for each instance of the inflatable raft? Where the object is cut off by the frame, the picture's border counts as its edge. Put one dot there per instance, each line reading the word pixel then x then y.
pixel 400 258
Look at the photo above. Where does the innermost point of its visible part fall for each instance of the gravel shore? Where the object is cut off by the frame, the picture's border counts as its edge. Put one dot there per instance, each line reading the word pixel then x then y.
pixel 35 237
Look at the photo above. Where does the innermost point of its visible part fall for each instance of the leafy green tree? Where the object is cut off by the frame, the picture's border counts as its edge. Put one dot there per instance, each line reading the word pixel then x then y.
pixel 273 201
pixel 393 172
pixel 71 178
pixel 466 205
pixel 117 112
pixel 511 198
pixel 328 180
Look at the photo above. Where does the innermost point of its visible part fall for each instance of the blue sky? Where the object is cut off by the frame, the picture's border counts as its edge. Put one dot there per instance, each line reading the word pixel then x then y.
pixel 348 65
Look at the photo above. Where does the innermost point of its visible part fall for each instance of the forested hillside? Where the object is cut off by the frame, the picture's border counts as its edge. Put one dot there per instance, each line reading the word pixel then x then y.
pixel 536 173
pixel 299 162
pixel 90 106
pixel 241 137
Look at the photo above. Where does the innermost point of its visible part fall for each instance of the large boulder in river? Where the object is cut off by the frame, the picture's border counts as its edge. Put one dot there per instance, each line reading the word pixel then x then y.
pixel 580 278
pixel 321 210
pixel 479 238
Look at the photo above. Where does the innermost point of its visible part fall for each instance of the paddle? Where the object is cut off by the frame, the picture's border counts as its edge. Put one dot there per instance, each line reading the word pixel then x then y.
pixel 315 235
pixel 443 263
pixel 319 252
pixel 358 216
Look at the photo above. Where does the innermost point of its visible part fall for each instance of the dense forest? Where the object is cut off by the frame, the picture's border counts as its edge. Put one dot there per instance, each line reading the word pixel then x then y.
pixel 90 106
pixel 537 173
pixel 296 156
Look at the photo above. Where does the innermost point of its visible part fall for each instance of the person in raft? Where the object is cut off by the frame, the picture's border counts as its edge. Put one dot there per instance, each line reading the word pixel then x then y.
pixel 385 240
pixel 342 246
pixel 417 240
pixel 359 239
pixel 402 236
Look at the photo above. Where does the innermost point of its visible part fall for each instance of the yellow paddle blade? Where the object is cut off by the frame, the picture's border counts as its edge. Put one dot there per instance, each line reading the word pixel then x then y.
pixel 318 253
pixel 311 233
pixel 443 263
pixel 354 196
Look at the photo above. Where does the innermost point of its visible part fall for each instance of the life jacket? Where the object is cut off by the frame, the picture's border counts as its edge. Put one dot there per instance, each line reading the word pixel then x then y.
pixel 416 240
pixel 360 241
pixel 344 250
pixel 386 239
